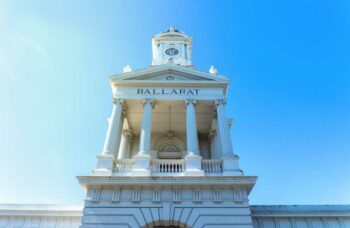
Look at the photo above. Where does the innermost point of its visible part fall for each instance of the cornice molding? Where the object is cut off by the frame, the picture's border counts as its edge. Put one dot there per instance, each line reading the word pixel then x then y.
pixel 178 181
pixel 168 68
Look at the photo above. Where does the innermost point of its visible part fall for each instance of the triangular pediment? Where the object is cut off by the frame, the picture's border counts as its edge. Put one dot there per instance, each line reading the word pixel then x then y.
pixel 169 72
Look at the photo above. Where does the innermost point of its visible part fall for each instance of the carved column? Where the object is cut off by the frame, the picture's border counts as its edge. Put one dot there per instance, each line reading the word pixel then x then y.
pixel 114 128
pixel 143 158
pixel 193 158
pixel 230 160
pixel 125 144
pixel 225 138
pixel 191 128
pixel 145 134
pixel 113 136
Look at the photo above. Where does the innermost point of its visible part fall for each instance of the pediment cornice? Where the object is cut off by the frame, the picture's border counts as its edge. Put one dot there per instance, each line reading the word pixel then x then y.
pixel 153 74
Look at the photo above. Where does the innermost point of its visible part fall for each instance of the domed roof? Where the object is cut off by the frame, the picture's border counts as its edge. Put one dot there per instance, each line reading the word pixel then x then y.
pixel 171 32
pixel 171 29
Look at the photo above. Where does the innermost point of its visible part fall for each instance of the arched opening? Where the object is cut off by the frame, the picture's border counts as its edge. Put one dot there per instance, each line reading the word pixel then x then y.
pixel 166 224
pixel 170 147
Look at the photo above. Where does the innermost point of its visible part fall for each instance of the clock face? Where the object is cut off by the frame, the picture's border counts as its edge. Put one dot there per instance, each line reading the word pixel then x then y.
pixel 171 51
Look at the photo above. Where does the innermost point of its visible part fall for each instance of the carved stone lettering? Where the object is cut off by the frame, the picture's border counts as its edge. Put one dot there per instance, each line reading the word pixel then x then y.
pixel 154 91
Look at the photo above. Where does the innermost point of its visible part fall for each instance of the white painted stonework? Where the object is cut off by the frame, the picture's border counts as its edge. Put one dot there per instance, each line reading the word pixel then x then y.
pixel 168 159
pixel 24 215
pixel 167 172
pixel 37 215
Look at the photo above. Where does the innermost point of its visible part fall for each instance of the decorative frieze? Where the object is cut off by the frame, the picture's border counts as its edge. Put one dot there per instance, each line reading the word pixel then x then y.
pixel 136 195
pixel 96 193
pixel 161 194
pixel 197 195
pixel 239 194
pixel 217 195
pixel 156 195
pixel 116 195
pixel 176 195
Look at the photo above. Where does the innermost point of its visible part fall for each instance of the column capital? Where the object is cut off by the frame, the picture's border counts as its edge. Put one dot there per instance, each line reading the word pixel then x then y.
pixel 118 101
pixel 190 101
pixel 220 102
pixel 148 101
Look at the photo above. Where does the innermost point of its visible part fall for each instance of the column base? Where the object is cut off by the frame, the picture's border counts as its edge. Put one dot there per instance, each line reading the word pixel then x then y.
pixel 233 173
pixel 194 173
pixel 231 166
pixel 142 164
pixel 104 166
pixel 193 165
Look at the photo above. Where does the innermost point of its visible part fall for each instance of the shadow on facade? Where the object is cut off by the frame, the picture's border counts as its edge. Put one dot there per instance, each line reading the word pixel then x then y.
pixel 166 224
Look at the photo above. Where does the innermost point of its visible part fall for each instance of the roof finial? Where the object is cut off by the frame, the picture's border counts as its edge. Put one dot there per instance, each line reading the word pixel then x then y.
pixel 127 69
pixel 213 70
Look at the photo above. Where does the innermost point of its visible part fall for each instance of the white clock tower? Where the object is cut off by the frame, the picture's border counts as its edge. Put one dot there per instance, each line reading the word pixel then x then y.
pixel 167 159
pixel 172 46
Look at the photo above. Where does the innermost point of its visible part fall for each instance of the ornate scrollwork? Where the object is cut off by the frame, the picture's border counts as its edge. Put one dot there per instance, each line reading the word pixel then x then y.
pixel 190 101
pixel 118 101
pixel 220 102
pixel 148 101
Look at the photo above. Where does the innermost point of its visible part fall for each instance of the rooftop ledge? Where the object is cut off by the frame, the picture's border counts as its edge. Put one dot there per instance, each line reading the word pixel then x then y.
pixel 169 181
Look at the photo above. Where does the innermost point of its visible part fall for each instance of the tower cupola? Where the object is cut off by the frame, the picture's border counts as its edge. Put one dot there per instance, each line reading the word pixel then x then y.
pixel 172 46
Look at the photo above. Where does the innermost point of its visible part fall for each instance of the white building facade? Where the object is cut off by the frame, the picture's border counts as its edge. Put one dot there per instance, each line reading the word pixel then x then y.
pixel 168 155
pixel 168 159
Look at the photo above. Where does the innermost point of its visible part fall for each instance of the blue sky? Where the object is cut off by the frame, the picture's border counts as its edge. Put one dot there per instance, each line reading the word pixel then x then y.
pixel 288 62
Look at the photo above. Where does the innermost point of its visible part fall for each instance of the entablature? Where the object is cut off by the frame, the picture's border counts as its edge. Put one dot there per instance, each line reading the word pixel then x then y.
pixel 147 91
pixel 170 76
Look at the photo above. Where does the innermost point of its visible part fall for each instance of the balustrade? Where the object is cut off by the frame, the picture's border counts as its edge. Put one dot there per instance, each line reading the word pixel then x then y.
pixel 212 166
pixel 124 165
pixel 168 166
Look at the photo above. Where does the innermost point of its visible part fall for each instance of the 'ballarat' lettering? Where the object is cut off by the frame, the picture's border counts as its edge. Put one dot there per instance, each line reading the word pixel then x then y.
pixel 168 91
